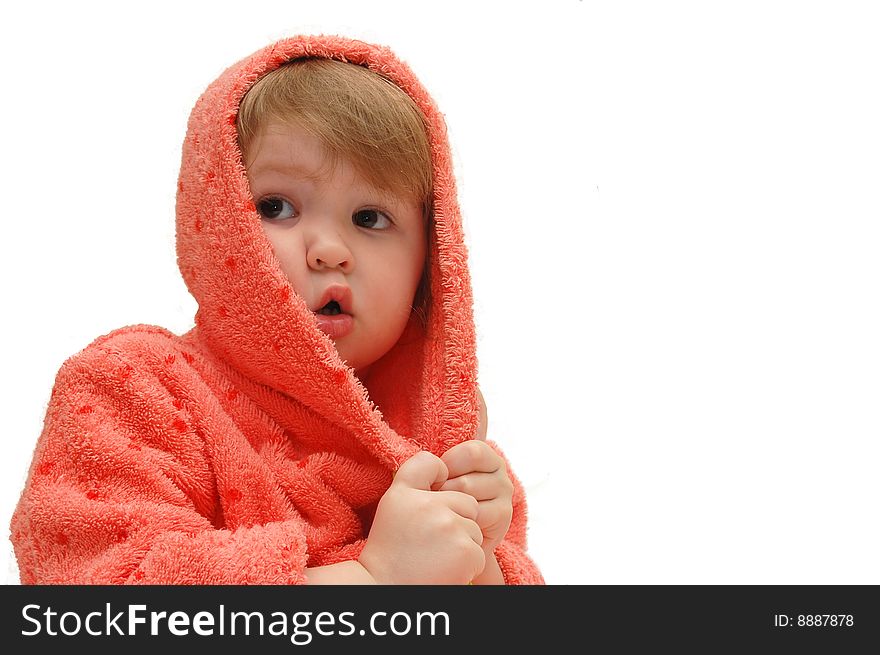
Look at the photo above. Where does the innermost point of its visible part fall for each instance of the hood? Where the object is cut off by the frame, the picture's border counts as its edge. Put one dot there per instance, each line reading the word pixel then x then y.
pixel 423 393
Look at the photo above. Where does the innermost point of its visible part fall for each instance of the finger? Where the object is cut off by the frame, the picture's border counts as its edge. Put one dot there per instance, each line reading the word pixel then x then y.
pixel 421 471
pixel 482 417
pixel 492 513
pixel 474 532
pixel 462 504
pixel 470 457
pixel 482 486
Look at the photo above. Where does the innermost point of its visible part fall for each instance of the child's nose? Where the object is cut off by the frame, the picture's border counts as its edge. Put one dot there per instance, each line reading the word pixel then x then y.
pixel 329 251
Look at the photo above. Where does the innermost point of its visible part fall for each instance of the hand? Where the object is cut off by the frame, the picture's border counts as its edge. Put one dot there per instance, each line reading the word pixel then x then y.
pixel 420 536
pixel 478 471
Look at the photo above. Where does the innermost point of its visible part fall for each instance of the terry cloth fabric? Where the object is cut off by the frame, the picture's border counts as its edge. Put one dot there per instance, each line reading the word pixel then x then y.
pixel 245 450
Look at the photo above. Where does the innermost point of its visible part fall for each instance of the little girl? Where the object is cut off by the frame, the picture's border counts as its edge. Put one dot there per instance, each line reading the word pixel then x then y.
pixel 321 423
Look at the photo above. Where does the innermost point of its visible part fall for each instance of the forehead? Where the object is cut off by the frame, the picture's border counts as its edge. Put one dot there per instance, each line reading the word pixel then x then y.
pixel 287 150
pixel 286 147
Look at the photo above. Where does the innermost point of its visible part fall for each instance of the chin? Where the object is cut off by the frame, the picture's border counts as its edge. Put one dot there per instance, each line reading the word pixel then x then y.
pixel 359 358
pixel 352 360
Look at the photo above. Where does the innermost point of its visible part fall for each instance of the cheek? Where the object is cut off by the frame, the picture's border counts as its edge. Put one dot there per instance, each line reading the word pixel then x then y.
pixel 400 275
pixel 413 262
pixel 290 254
pixel 389 300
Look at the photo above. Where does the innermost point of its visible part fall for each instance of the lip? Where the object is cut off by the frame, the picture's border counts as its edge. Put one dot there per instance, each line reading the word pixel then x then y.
pixel 339 325
pixel 338 292
pixel 335 327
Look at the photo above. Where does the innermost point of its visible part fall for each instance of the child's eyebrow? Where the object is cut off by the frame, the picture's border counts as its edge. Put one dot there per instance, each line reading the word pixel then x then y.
pixel 286 168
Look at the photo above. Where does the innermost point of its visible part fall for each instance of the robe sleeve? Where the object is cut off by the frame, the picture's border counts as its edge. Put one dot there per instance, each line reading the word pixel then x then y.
pixel 121 491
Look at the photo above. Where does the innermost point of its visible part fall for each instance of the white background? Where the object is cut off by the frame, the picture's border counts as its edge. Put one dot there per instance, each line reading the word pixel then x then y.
pixel 673 216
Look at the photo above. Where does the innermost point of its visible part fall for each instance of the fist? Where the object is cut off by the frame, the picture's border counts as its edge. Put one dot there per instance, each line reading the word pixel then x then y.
pixel 420 536
pixel 475 469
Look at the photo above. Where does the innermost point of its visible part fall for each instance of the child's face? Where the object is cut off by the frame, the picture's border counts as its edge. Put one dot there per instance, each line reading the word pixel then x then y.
pixel 338 238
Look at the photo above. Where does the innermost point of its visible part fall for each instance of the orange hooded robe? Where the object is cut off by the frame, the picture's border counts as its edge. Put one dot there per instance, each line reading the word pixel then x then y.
pixel 245 450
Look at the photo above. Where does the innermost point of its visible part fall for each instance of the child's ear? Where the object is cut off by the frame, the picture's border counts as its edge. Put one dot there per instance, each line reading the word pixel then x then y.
pixel 483 417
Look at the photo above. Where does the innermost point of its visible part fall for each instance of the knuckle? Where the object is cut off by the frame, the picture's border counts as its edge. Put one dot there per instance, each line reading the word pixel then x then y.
pixel 475 448
pixel 424 504
pixel 446 522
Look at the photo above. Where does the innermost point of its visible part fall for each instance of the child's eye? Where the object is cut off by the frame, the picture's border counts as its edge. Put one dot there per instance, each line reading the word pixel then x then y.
pixel 371 218
pixel 274 207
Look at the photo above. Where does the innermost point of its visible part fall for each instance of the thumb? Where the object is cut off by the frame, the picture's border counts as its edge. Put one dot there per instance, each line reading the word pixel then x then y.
pixel 422 471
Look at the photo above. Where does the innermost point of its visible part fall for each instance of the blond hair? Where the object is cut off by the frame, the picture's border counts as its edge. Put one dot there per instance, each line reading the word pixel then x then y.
pixel 358 116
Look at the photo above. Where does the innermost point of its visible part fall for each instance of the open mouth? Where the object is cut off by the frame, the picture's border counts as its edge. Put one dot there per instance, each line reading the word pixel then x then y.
pixel 332 308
